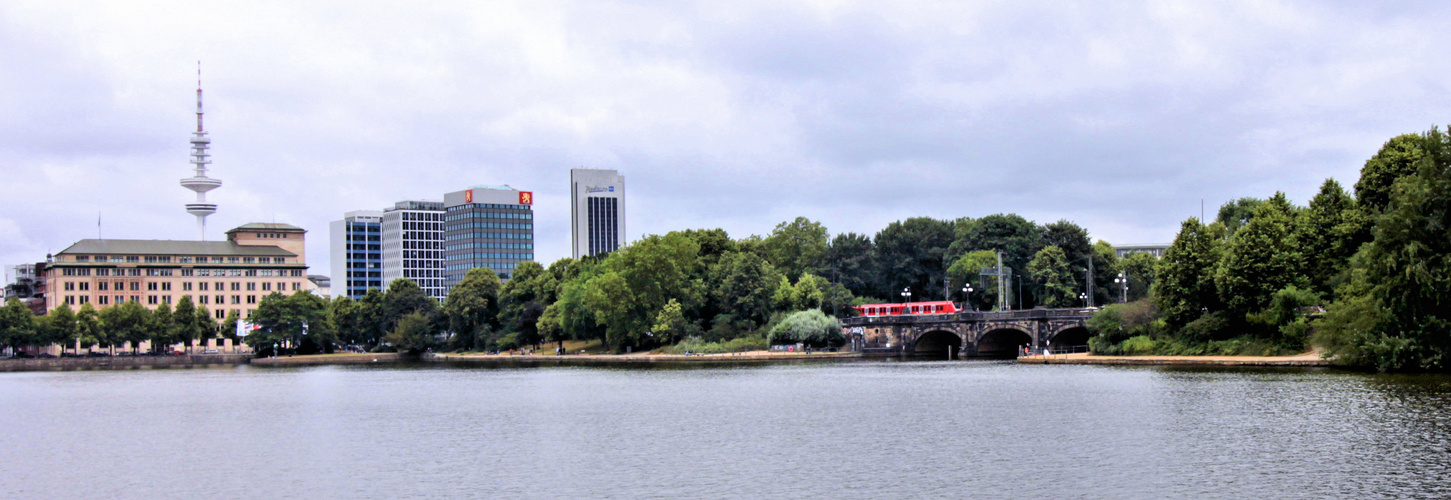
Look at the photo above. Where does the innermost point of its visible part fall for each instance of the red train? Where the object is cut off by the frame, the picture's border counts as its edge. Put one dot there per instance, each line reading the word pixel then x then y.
pixel 939 307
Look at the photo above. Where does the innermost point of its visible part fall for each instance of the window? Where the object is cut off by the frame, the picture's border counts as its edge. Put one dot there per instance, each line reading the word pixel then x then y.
pixel 221 299
pixel 295 286
pixel 166 287
pixel 151 299
pixel 281 285
pixel 70 300
pixel 221 286
pixel 248 260
pixel 85 299
pixel 103 272
pixel 236 287
pixel 70 286
pixel 166 299
pixel 102 300
pixel 102 285
pixel 201 285
pixel 234 272
pixel 133 258
pixel 251 299
pixel 232 260
pixel 221 314
pixel 251 287
pixel 187 272
pixel 85 287
pixel 186 287
pixel 250 272
pixel 203 272
pixel 201 299
pixel 83 258
pixel 131 272
pixel 151 286
pixel 236 299
pixel 135 286
pixel 183 260
pixel 266 286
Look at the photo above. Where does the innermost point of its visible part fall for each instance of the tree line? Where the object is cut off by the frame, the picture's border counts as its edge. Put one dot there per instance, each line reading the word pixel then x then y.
pixel 125 324
pixel 1365 275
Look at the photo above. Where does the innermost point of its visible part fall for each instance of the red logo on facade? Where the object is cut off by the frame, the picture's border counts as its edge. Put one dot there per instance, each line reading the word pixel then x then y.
pixel 526 197
pixel 469 196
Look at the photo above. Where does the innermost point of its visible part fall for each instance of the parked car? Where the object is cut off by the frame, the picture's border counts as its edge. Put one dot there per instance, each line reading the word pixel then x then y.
pixel 45 355
pixel 210 351
pixel 98 354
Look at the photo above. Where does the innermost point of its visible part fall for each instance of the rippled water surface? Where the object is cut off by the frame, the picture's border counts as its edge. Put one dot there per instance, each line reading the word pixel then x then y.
pixel 843 430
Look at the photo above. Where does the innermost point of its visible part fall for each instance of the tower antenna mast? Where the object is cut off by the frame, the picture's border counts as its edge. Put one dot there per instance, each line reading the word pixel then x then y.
pixel 200 158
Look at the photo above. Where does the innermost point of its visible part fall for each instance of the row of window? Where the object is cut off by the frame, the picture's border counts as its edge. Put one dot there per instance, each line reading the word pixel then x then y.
pixel 105 271
pixel 488 225
pixel 488 215
pixel 491 246
pixel 106 300
pixel 490 255
pixel 473 206
pixel 185 259
pixel 465 267
pixel 186 286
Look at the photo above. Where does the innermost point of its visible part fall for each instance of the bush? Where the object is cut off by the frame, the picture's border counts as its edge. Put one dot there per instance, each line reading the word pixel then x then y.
pixel 812 327
pixel 1118 322
pixel 697 345
pixel 1209 327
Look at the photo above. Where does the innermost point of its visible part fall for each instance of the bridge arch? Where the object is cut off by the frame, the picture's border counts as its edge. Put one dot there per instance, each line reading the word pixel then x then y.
pixel 1002 342
pixel 1076 335
pixel 938 343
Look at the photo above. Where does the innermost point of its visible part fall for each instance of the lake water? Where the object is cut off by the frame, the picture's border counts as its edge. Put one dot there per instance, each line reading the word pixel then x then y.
pixel 823 430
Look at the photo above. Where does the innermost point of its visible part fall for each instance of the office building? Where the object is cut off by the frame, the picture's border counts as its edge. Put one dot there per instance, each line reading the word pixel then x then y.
pixel 487 226
pixel 356 252
pixel 412 237
pixel 597 212
pixel 224 276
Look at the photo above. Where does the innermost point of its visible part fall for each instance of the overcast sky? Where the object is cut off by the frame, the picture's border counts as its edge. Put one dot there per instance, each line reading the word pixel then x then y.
pixel 1118 116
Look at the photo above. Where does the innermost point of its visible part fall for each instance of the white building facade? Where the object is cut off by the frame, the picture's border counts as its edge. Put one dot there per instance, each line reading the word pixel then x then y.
pixel 597 211
pixel 412 234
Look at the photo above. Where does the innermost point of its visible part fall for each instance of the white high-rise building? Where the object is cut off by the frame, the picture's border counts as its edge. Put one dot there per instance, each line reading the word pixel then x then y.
pixel 412 234
pixel 597 215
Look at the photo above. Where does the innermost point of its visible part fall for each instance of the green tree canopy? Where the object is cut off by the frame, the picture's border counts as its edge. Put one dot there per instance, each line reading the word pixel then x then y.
pixel 1260 259
pixel 797 247
pixel 17 325
pixel 849 261
pixel 968 269
pixel 61 327
pixel 911 253
pixel 1399 157
pixel 472 308
pixel 1237 213
pixel 1185 287
pixel 1054 278
pixel 1329 233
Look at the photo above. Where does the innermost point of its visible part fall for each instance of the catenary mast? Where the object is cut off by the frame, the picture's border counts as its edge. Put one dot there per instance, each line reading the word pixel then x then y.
pixel 200 159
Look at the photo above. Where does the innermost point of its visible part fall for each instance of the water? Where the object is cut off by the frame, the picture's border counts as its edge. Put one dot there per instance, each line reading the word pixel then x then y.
pixel 840 430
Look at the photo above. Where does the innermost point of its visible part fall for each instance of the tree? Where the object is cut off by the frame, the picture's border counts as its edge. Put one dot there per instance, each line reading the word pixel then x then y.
pixel 228 327
pixel 344 314
pixel 1406 270
pixel 809 292
pixel 403 298
pixel 1237 213
pixel 1185 286
pixel 60 327
pixel 911 254
pixel 968 269
pixel 797 247
pixel 127 322
pixel 1140 269
pixel 1261 258
pixel 1054 277
pixel 523 299
pixel 17 325
pixel 160 328
pixel 296 321
pixel 1329 233
pixel 670 324
pixel 1105 268
pixel 186 327
pixel 1399 157
pixel 412 334
pixel 1018 238
pixel 472 309
pixel 745 287
pixel 808 327
pixel 849 262
pixel 372 321
pixel 88 327
pixel 1072 239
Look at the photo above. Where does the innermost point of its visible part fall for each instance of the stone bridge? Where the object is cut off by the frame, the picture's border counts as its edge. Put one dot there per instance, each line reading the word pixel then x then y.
pixel 968 333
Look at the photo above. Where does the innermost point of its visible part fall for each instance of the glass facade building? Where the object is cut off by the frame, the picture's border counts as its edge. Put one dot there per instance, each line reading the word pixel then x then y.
pixel 356 253
pixel 487 226
pixel 597 212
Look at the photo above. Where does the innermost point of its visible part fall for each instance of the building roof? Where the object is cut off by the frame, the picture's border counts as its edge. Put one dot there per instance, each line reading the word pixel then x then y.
pixel 266 226
pixel 173 247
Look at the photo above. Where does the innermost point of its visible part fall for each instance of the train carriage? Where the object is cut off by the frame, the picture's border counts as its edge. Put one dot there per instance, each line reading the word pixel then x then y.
pixel 908 308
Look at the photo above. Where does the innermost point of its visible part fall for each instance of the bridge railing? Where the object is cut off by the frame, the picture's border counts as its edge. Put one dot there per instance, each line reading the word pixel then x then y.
pixel 970 316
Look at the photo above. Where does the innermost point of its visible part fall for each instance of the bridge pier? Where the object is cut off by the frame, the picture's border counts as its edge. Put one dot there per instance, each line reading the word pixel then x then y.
pixel 900 335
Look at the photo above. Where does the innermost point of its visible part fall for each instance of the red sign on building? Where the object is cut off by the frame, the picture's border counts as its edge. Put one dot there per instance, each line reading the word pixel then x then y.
pixel 526 197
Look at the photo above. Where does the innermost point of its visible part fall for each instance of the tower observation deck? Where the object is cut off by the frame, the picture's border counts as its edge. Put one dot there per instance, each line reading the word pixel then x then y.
pixel 200 158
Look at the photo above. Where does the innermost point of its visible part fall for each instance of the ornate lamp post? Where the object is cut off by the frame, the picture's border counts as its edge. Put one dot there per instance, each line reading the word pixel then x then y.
pixel 967 295
pixel 1123 282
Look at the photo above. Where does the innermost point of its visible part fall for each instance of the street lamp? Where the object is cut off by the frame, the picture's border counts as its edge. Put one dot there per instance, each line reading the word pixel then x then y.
pixel 1083 297
pixel 967 294
pixel 906 297
pixel 1123 281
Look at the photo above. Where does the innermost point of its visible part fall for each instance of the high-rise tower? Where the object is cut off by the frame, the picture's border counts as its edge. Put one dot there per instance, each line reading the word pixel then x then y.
pixel 200 159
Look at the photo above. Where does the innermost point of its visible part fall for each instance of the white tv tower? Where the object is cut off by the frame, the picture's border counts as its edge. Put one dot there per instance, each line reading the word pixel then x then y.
pixel 200 159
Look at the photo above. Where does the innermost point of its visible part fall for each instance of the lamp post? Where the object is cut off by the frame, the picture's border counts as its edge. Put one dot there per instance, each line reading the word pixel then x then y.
pixel 967 295
pixel 906 295
pixel 1123 282
pixel 1083 297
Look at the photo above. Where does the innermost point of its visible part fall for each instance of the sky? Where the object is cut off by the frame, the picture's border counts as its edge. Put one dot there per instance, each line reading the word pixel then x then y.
pixel 1119 116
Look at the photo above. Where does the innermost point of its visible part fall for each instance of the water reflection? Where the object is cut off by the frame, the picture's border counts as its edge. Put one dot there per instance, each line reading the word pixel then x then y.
pixel 839 429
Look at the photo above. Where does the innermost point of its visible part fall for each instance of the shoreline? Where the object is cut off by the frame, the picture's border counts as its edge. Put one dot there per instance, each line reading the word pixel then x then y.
pixel 640 358
pixel 121 362
pixel 1310 359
